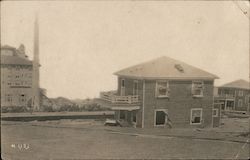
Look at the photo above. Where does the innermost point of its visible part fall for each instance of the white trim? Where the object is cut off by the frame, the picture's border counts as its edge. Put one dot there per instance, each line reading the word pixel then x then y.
pixel 217 112
pixel 164 110
pixel 126 108
pixel 192 109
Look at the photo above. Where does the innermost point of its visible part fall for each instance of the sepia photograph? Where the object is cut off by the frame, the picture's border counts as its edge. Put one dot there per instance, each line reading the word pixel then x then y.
pixel 132 79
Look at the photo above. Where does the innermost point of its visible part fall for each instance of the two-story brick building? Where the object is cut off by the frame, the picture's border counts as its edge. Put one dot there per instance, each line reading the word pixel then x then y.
pixel 153 93
pixel 234 95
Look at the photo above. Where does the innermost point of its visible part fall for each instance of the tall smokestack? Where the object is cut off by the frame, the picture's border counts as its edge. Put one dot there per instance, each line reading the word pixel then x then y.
pixel 36 64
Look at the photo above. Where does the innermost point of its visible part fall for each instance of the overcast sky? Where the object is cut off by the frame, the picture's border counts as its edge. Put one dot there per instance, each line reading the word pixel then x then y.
pixel 83 43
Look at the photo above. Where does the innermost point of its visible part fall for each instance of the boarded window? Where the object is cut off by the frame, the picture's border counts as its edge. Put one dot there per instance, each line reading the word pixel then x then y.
pixel 197 88
pixel 162 89
pixel 196 116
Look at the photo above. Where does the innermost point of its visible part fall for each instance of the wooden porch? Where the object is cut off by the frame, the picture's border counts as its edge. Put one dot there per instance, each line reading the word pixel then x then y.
pixel 112 97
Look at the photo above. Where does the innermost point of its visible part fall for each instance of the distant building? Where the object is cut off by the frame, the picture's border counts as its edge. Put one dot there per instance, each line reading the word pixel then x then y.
pixel 20 76
pixel 234 95
pixel 16 77
pixel 164 91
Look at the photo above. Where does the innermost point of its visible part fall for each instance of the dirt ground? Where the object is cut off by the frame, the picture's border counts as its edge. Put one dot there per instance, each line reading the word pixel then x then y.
pixel 90 139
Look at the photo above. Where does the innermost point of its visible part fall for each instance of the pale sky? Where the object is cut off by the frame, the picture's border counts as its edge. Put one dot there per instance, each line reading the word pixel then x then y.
pixel 82 43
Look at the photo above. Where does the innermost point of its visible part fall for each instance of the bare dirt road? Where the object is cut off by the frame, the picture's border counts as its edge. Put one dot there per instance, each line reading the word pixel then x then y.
pixel 88 139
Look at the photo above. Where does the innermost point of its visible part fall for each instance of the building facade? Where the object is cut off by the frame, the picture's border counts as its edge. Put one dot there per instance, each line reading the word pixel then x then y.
pixel 164 92
pixel 20 76
pixel 234 95
pixel 16 77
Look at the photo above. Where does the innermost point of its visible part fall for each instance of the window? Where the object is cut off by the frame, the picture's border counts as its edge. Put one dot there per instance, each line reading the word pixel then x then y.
pixel 123 83
pixel 8 98
pixel 122 87
pixel 197 88
pixel 122 114
pixel 22 98
pixel 247 99
pixel 241 93
pixel 160 117
pixel 134 117
pixel 215 112
pixel 135 88
pixel 162 89
pixel 196 116
pixel 240 103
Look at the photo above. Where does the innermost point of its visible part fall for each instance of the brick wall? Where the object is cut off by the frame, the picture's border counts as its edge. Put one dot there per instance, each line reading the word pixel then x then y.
pixel 179 103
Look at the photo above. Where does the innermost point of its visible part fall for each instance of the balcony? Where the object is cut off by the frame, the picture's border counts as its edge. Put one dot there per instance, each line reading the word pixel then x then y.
pixel 225 96
pixel 113 98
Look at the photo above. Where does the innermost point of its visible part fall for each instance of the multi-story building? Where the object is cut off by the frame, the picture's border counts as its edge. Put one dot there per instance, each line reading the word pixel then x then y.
pixel 16 77
pixel 20 76
pixel 234 95
pixel 164 90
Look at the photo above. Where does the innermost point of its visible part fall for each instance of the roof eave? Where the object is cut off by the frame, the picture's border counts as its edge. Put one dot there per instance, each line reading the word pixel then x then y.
pixel 171 78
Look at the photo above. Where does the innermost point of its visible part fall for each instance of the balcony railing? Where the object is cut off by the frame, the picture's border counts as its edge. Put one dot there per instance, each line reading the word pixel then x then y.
pixel 113 98
pixel 226 96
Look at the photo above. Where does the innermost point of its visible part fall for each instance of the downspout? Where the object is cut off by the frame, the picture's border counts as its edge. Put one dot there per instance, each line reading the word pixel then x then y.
pixel 213 109
pixel 143 98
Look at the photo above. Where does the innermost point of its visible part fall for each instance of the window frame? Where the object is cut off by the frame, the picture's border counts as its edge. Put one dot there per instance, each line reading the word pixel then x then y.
pixel 193 89
pixel 240 93
pixel 201 118
pixel 22 98
pixel 135 91
pixel 122 89
pixel 166 120
pixel 217 112
pixel 240 100
pixel 246 99
pixel 157 90
pixel 8 97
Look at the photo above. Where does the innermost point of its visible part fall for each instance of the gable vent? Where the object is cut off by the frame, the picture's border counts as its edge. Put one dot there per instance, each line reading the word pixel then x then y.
pixel 179 67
